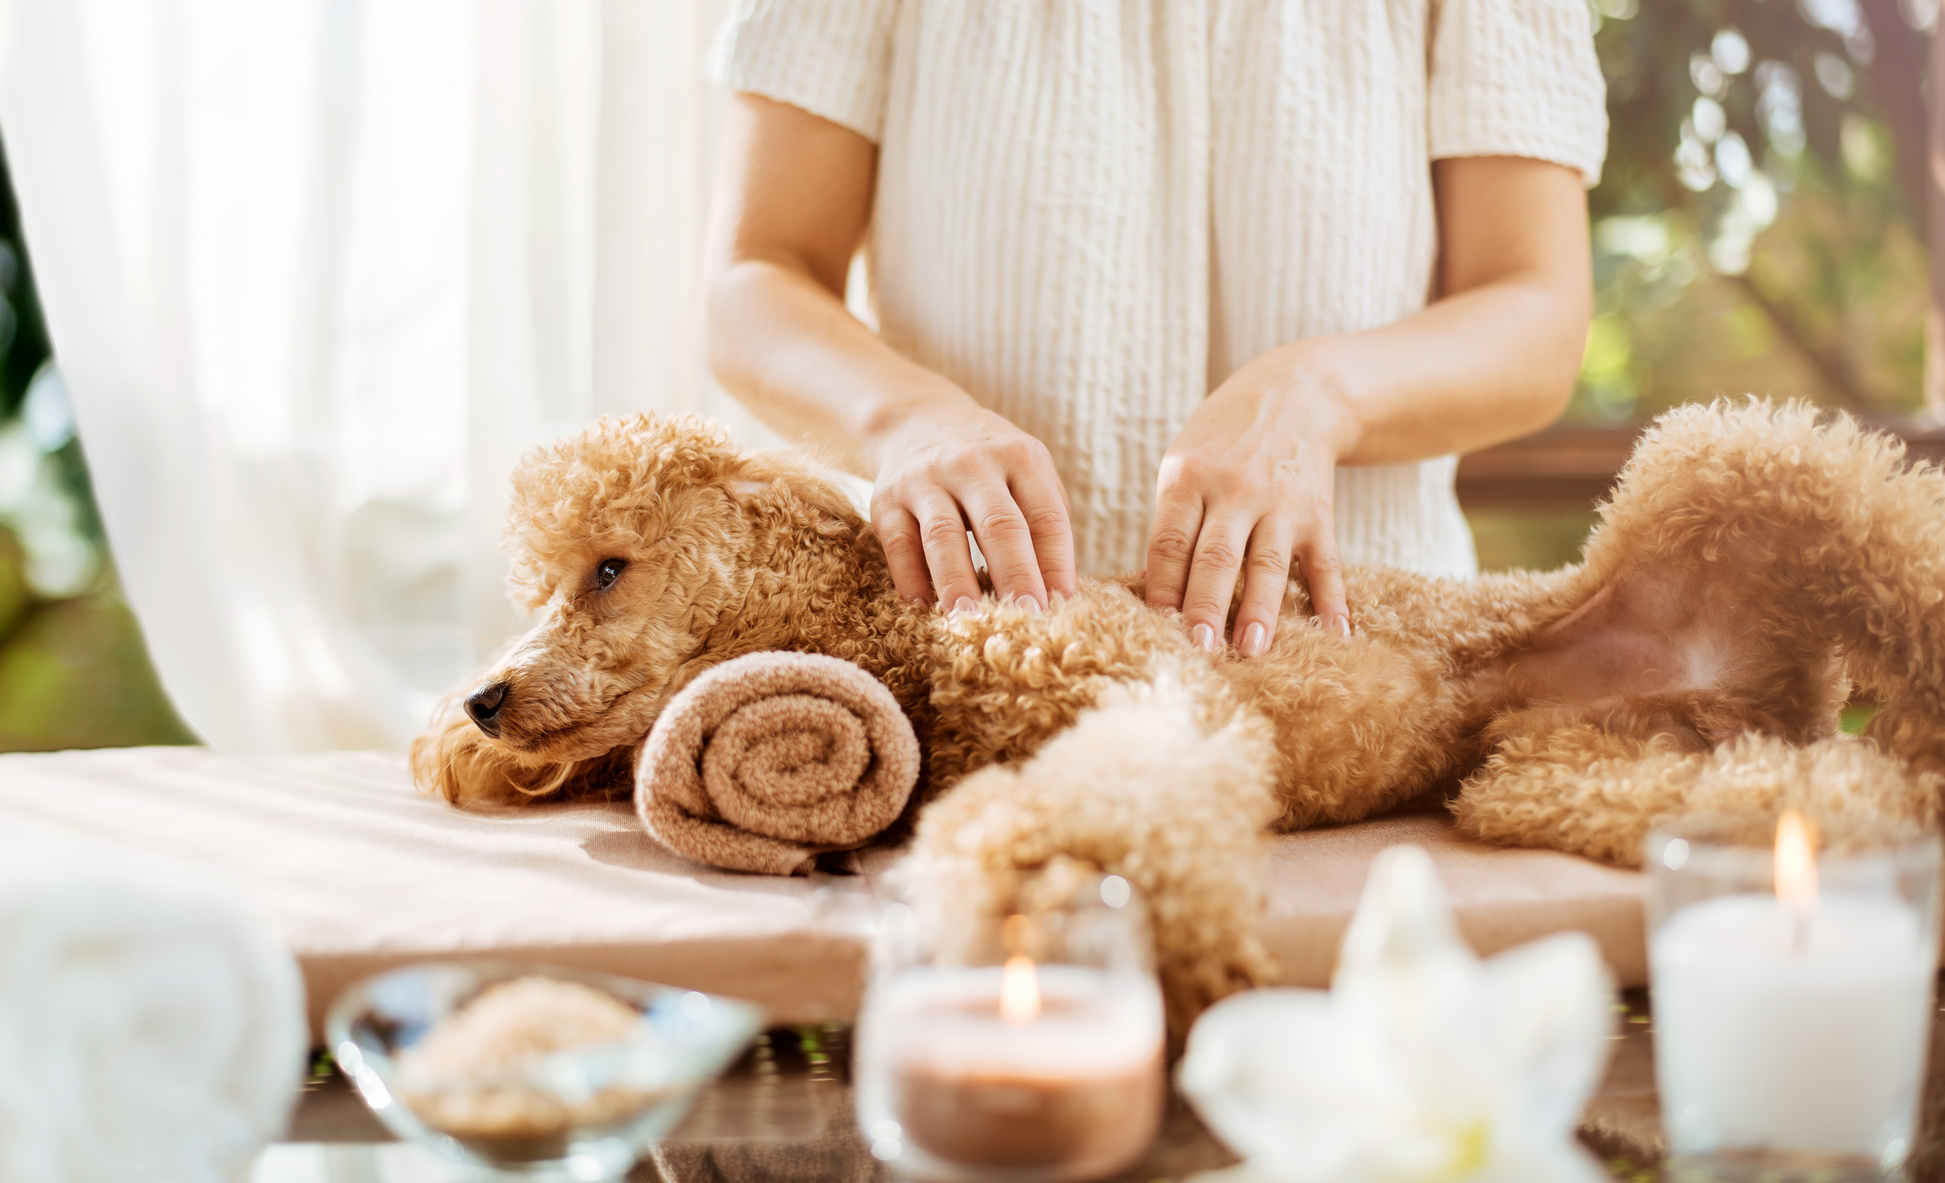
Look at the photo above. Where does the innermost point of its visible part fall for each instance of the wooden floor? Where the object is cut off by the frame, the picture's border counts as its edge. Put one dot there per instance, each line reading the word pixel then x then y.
pixel 784 1114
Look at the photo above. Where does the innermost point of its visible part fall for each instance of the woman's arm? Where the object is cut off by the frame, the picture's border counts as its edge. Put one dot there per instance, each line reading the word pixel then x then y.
pixel 1246 488
pixel 792 202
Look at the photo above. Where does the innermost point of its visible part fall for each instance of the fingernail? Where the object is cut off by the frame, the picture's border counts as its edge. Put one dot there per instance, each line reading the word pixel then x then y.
pixel 964 604
pixel 1204 638
pixel 1255 640
pixel 1343 626
pixel 1029 604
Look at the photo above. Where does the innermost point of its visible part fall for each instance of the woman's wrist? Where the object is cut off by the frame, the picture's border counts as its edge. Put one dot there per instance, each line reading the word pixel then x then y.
pixel 890 420
pixel 1313 394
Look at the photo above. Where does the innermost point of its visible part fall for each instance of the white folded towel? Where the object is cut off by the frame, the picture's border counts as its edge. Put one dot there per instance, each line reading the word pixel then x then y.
pixel 150 1027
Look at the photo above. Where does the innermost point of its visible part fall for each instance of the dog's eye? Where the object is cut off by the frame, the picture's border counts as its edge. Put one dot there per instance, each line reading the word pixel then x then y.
pixel 609 571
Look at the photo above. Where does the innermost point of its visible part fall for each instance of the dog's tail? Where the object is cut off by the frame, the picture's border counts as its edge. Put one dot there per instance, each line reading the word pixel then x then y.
pixel 1839 545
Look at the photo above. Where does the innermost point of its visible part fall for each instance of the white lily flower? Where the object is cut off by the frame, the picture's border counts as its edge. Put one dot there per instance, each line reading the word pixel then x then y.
pixel 1420 1063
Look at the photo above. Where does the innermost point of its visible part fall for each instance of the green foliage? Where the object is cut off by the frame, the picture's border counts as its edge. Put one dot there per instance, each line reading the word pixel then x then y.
pixel 1754 230
pixel 1529 540
pixel 74 671
pixel 76 674
pixel 23 334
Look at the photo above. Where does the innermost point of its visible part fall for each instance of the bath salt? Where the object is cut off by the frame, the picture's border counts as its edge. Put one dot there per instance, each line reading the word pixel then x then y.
pixel 471 1075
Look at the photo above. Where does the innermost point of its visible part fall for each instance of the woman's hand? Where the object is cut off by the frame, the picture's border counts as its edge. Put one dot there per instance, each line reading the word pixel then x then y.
pixel 792 205
pixel 1243 492
pixel 954 465
pixel 1246 488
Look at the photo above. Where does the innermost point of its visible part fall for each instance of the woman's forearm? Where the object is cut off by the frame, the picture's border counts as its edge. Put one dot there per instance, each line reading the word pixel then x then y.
pixel 793 198
pixel 787 348
pixel 792 203
pixel 1476 369
pixel 782 343
pixel 1497 356
pixel 1248 484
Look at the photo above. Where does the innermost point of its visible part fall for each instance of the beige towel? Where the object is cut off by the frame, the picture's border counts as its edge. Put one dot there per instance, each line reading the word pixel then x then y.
pixel 767 761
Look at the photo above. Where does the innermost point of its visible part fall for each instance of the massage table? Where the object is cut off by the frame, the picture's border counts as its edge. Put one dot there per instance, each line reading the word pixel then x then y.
pixel 358 871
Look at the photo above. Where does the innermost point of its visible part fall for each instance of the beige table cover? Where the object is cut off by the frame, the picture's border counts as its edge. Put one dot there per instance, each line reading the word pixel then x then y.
pixel 360 872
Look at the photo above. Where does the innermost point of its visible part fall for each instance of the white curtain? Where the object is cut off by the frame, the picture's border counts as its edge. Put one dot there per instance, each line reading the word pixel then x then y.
pixel 316 272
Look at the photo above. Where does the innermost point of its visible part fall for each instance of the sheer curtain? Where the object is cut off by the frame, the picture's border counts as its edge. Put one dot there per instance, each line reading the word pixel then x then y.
pixel 316 272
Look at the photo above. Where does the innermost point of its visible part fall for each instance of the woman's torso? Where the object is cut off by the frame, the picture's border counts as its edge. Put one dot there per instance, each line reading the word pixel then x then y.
pixel 1089 215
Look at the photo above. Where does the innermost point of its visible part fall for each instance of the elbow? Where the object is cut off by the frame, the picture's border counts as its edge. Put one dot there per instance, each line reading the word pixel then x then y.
pixel 1556 388
pixel 732 318
pixel 750 301
pixel 719 322
pixel 1559 344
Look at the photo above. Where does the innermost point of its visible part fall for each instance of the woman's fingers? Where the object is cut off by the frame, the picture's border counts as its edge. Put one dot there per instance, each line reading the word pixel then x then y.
pixel 1213 572
pixel 1197 556
pixel 1171 546
pixel 1244 488
pixel 1043 503
pixel 1323 574
pixel 942 532
pixel 898 533
pixel 1265 574
pixel 986 476
pixel 1008 544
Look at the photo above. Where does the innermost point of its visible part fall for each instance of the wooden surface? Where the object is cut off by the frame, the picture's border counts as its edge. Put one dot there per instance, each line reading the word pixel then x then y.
pixel 784 1114
pixel 1573 467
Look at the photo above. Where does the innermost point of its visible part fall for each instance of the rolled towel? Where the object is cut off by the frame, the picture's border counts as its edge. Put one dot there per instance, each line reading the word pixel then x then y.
pixel 769 760
pixel 150 1028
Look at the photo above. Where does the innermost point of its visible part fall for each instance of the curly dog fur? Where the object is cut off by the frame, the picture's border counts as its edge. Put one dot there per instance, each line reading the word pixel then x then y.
pixel 1753 563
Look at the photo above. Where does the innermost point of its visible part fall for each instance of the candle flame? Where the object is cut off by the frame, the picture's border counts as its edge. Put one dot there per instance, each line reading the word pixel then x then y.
pixel 1019 990
pixel 1796 862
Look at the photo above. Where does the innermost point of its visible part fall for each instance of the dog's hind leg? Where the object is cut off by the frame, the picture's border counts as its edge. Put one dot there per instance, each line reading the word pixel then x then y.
pixel 1814 539
pixel 1587 790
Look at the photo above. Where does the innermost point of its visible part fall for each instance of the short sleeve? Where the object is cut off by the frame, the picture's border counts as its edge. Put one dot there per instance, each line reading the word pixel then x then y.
pixel 1518 78
pixel 829 57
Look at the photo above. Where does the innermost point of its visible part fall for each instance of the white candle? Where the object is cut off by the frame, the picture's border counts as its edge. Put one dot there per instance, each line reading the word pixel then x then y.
pixel 1788 1029
pixel 955 1080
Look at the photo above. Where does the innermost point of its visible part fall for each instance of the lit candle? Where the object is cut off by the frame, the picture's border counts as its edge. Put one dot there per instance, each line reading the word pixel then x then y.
pixel 1793 1022
pixel 1045 1071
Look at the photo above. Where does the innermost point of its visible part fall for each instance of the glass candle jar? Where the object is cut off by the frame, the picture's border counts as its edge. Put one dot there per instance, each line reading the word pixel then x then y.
pixel 1792 969
pixel 1029 1049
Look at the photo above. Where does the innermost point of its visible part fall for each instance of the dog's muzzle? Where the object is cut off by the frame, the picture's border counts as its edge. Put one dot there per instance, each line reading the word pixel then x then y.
pixel 484 704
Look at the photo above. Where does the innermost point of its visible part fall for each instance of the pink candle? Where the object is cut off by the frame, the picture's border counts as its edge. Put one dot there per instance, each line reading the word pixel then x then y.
pixel 1053 1070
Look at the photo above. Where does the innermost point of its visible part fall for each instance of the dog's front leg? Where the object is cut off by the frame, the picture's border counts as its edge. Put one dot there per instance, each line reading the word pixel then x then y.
pixel 1141 787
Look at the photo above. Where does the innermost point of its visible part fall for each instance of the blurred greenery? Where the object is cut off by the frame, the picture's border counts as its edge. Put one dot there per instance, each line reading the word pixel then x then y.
pixel 1758 226
pixel 1534 540
pixel 1757 230
pixel 74 671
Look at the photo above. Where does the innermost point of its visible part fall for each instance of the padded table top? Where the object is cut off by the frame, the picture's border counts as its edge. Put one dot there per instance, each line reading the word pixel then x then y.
pixel 358 872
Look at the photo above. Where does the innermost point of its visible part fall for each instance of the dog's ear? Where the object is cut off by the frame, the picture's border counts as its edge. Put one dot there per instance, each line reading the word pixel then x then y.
pixel 681 449
pixel 790 479
pixel 614 465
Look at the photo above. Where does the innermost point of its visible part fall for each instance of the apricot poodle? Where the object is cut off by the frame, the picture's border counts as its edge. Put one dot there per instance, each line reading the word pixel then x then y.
pixel 1755 566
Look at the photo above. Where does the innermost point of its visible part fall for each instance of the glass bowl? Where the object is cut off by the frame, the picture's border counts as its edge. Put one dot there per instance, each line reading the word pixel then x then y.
pixel 583 1113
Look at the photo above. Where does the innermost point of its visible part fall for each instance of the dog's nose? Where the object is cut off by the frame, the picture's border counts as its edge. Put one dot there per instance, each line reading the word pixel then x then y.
pixel 484 706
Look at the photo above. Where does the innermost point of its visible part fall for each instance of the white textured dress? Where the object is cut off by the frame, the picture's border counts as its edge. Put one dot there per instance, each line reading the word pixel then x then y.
pixel 1090 212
